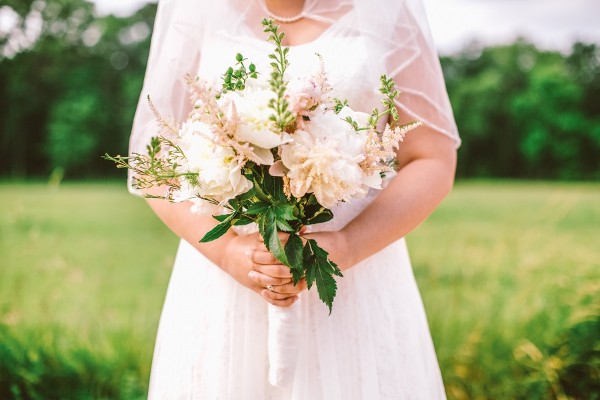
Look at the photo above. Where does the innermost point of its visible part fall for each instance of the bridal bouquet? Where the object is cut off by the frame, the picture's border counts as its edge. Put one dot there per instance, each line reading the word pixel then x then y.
pixel 275 152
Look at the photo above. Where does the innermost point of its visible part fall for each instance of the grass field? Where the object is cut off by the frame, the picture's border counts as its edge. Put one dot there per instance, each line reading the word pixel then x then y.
pixel 509 274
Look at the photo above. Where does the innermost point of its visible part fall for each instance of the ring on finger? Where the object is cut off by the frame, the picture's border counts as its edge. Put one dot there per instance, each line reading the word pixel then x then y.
pixel 270 287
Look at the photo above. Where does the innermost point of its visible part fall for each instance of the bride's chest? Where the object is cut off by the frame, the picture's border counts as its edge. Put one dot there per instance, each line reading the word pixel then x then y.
pixel 352 75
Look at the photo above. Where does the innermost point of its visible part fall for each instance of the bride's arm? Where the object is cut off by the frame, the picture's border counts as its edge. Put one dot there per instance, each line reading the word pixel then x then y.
pixel 191 227
pixel 237 255
pixel 427 162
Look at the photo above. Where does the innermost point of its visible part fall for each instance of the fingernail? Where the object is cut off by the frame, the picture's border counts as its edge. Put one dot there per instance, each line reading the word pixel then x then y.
pixel 248 252
pixel 252 275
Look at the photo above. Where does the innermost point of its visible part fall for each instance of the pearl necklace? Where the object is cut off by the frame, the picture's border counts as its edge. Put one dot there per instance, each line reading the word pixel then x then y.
pixel 285 20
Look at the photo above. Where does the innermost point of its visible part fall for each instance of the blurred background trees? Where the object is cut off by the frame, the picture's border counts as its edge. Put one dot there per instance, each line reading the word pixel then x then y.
pixel 69 83
pixel 527 113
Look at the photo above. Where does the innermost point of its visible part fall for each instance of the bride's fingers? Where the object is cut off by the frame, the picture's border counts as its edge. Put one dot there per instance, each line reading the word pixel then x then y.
pixel 280 302
pixel 289 288
pixel 273 270
pixel 264 257
pixel 266 280
pixel 269 295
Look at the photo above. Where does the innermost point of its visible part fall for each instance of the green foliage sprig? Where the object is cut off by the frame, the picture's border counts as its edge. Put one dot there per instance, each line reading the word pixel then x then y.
pixel 390 92
pixel 235 79
pixel 153 170
pixel 339 104
pixel 282 116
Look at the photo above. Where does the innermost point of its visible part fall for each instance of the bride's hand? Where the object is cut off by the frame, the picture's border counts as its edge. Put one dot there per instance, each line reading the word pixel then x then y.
pixel 273 277
pixel 247 261
pixel 276 277
pixel 337 245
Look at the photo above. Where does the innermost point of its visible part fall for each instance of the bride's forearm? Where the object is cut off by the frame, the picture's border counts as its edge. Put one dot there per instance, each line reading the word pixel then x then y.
pixel 191 227
pixel 420 185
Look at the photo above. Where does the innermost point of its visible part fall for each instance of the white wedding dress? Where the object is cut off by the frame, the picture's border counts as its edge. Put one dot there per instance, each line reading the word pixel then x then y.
pixel 212 338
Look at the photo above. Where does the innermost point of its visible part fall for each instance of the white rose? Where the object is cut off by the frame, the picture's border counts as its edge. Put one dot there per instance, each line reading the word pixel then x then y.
pixel 219 175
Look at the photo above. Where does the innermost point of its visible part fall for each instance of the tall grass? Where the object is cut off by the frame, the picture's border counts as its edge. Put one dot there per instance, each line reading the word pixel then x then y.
pixel 84 271
pixel 509 273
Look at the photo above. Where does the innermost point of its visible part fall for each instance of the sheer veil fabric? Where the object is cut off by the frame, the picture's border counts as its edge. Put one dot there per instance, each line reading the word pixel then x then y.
pixel 212 338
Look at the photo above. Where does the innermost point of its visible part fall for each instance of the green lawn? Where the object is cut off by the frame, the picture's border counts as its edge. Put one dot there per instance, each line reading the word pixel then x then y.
pixel 507 270
pixel 509 273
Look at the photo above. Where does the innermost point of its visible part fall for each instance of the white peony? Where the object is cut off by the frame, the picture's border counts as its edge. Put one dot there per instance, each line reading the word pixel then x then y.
pixel 219 174
pixel 255 126
pixel 324 159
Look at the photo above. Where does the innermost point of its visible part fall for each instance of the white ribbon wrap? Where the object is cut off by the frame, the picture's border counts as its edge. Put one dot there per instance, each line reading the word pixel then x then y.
pixel 284 335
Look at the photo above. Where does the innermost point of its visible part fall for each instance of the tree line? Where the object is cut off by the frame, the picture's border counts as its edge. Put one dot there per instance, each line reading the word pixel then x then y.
pixel 70 81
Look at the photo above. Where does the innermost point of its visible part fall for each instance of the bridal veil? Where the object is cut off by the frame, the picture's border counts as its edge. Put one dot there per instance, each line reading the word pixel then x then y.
pixel 396 28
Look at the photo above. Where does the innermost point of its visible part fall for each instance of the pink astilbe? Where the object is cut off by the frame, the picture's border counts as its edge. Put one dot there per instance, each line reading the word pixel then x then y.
pixel 321 79
pixel 379 149
pixel 223 124
pixel 305 95
pixel 168 128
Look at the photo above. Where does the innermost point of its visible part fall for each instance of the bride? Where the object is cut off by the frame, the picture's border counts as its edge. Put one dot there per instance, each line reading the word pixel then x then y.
pixel 212 341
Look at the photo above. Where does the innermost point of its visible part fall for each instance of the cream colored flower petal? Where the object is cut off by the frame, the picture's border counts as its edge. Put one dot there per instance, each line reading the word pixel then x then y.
pixel 262 138
pixel 264 155
pixel 373 180
pixel 277 169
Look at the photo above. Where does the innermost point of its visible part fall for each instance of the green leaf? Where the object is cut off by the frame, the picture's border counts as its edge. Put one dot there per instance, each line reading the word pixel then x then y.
pixel 312 199
pixel 293 252
pixel 322 215
pixel 257 208
pixel 273 185
pixel 217 231
pixel 315 213
pixel 248 195
pixel 260 194
pixel 326 285
pixel 222 217
pixel 308 260
pixel 320 270
pixel 243 221
pixel 283 226
pixel 271 239
pixel 284 211
pixel 234 203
